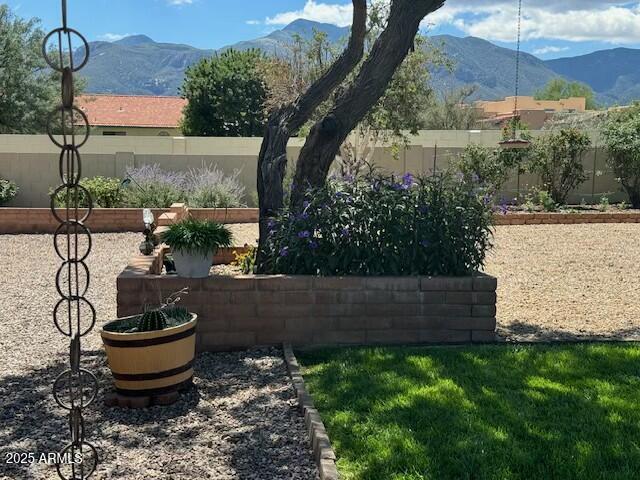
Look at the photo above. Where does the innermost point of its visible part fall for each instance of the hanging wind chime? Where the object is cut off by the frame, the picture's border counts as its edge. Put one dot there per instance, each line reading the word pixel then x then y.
pixel 515 142
pixel 74 316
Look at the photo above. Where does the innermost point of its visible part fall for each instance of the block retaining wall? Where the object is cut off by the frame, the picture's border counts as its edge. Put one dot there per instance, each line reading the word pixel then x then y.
pixel 244 311
pixel 566 218
pixel 41 220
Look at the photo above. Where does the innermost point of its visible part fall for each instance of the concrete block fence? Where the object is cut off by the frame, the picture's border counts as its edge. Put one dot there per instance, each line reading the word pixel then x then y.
pixel 244 311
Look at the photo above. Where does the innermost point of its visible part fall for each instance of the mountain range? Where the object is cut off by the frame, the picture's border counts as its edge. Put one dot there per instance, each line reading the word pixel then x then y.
pixel 138 65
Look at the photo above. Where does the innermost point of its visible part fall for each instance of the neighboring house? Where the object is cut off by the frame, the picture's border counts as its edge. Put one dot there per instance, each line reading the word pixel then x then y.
pixel 532 112
pixel 133 115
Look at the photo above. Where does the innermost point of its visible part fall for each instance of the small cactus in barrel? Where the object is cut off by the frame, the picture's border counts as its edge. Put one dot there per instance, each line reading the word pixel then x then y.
pixel 152 321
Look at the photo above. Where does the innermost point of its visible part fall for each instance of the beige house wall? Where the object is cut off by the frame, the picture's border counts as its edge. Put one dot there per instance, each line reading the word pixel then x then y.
pixel 136 131
pixel 32 160
pixel 508 105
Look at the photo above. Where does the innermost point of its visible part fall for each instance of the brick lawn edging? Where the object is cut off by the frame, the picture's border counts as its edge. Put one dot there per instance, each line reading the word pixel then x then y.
pixel 323 453
pixel 243 311
pixel 108 220
pixel 566 218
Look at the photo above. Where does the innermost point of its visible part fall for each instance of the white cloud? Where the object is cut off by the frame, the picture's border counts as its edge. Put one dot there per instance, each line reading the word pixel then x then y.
pixel 180 2
pixel 113 37
pixel 340 15
pixel 613 21
pixel 253 22
pixel 549 49
pixel 603 20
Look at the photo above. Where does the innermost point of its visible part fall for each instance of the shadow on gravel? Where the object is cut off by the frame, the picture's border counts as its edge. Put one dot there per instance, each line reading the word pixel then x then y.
pixel 240 418
pixel 527 332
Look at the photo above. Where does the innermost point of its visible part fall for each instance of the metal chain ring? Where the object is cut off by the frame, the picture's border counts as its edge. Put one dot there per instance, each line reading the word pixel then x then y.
pixel 74 316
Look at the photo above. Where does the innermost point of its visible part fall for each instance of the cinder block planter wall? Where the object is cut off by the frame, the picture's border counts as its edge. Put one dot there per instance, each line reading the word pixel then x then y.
pixel 244 311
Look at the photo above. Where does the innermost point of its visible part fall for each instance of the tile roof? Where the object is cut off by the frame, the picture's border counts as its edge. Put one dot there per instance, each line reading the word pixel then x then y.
pixel 132 110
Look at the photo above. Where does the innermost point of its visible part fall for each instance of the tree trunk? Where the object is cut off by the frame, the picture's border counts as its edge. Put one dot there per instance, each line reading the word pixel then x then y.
pixel 272 160
pixel 389 51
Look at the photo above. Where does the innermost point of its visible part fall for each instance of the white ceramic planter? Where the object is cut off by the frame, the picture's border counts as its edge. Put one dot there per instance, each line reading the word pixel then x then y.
pixel 192 266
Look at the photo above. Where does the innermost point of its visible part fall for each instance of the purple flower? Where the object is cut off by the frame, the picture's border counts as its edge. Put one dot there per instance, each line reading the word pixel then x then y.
pixel 423 209
pixel 303 216
pixel 313 244
pixel 306 204
pixel 345 232
pixel 486 199
pixel 425 243
pixel 284 251
pixel 304 234
pixel 408 180
pixel 271 224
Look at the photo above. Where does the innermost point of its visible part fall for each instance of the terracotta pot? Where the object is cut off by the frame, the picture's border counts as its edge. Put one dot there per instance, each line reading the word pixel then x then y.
pixel 151 363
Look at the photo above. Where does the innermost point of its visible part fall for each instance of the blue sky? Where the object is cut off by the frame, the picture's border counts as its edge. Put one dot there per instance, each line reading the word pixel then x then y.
pixel 552 28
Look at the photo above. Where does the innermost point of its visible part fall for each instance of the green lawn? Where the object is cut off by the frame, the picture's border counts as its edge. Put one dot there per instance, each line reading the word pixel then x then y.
pixel 498 412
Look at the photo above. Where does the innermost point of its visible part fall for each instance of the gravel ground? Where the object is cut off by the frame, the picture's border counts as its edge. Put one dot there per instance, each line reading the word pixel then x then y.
pixel 555 282
pixel 244 234
pixel 567 282
pixel 240 422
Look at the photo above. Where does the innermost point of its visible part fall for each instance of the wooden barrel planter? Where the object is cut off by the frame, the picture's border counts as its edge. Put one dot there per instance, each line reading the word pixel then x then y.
pixel 151 364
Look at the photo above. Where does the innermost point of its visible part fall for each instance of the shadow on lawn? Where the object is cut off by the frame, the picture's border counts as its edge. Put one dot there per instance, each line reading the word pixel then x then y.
pixel 253 436
pixel 500 412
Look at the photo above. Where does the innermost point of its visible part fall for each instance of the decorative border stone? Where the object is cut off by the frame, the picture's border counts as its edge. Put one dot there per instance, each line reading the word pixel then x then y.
pixel 323 453
pixel 566 218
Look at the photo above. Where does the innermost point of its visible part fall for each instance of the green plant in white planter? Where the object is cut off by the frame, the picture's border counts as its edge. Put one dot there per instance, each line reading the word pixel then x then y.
pixel 193 244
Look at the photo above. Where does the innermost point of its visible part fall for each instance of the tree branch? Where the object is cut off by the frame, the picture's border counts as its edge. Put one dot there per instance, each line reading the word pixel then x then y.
pixel 321 89
pixel 388 53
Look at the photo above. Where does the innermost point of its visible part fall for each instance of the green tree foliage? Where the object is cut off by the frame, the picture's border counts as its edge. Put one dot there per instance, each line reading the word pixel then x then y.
pixel 450 111
pixel 226 95
pixel 488 166
pixel 621 132
pixel 558 159
pixel 398 112
pixel 559 88
pixel 28 89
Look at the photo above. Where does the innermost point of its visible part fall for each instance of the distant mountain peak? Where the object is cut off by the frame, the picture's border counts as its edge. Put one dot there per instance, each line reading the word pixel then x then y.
pixel 305 28
pixel 133 40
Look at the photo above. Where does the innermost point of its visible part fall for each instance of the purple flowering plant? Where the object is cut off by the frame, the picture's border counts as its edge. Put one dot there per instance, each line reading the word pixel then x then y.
pixel 381 224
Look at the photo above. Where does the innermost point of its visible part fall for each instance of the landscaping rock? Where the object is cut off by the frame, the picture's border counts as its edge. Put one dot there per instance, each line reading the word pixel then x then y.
pixel 239 421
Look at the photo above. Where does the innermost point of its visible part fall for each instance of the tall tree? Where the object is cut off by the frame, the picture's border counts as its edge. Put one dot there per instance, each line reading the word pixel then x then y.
pixel 351 106
pixel 226 95
pixel 27 88
pixel 559 88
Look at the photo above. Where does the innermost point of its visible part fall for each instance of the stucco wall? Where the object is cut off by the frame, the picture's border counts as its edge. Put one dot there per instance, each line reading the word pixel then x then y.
pixel 32 160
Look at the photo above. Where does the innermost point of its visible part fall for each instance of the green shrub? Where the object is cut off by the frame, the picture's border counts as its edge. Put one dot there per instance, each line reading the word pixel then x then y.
pixel 488 166
pixel 105 193
pixel 246 261
pixel 193 236
pixel 8 190
pixel 621 132
pixel 382 225
pixel 540 198
pixel 557 158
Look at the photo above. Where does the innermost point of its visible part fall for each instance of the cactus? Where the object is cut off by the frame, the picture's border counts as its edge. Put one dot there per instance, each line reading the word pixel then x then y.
pixel 152 320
